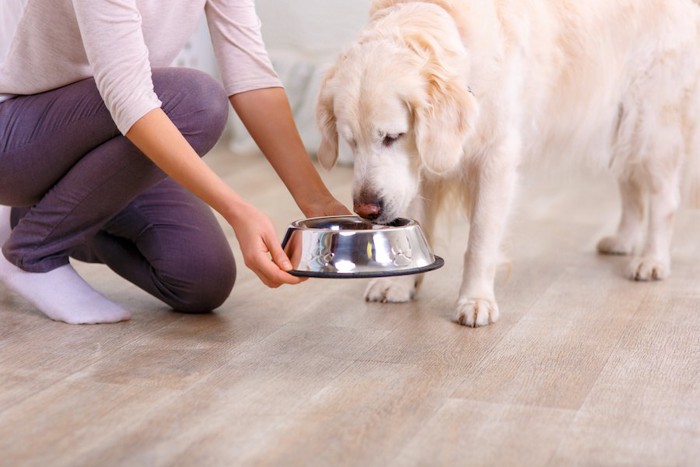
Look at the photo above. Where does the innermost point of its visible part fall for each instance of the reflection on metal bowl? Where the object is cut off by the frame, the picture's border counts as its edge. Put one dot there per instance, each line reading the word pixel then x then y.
pixel 352 247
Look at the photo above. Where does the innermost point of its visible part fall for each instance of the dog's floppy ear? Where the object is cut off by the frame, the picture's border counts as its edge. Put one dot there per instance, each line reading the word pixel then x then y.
pixel 445 112
pixel 325 119
pixel 443 119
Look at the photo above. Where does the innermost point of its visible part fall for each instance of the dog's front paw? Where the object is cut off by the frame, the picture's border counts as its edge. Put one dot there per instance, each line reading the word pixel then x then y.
pixel 476 312
pixel 390 290
pixel 615 245
pixel 647 268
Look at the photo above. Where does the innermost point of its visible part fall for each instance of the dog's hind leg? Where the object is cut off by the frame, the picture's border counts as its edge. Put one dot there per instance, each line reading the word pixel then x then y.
pixel 661 172
pixel 654 262
pixel 631 225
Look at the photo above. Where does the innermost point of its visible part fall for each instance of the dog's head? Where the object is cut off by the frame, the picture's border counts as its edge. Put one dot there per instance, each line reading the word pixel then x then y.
pixel 400 99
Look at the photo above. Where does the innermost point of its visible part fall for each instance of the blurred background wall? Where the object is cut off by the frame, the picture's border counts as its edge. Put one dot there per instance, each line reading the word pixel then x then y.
pixel 303 38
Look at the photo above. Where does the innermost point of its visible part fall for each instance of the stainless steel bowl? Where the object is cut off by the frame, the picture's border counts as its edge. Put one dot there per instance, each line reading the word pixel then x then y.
pixel 352 247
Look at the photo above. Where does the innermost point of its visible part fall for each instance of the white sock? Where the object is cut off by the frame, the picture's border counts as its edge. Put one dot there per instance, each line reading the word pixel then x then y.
pixel 61 294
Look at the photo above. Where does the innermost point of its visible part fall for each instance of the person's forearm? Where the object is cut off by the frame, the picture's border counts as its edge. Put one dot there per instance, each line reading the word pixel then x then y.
pixel 268 118
pixel 158 138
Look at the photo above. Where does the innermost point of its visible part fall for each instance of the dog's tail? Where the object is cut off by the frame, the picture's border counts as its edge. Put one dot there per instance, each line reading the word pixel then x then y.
pixel 691 176
pixel 691 173
pixel 691 170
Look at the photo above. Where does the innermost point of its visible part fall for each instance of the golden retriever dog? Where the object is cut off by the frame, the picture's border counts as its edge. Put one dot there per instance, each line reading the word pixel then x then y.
pixel 441 94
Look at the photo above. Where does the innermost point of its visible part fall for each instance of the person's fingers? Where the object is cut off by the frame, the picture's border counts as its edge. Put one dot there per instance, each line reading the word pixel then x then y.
pixel 273 272
pixel 272 275
pixel 279 256
pixel 262 251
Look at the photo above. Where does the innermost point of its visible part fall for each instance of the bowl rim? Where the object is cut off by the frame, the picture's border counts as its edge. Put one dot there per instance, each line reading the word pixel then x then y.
pixel 404 223
pixel 436 264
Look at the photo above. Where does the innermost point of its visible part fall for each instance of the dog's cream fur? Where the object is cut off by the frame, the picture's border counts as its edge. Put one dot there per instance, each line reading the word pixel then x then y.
pixel 441 93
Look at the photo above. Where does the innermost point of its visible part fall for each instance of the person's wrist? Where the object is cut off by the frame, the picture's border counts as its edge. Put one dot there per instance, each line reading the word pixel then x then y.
pixel 323 204
pixel 310 198
pixel 235 211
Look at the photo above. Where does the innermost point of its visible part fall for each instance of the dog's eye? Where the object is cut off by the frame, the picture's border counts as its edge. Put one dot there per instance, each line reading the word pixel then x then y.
pixel 388 139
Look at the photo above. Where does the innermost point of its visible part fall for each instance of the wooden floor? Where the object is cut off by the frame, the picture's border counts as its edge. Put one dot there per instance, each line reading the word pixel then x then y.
pixel 584 367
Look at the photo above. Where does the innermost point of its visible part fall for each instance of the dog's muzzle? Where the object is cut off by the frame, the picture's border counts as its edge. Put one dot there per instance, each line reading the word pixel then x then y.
pixel 370 208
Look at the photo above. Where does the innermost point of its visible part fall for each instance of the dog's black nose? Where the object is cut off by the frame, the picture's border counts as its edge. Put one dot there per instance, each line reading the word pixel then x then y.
pixel 369 210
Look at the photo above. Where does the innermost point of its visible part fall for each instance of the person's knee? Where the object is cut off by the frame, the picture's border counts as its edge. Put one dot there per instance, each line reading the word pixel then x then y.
pixel 205 286
pixel 195 102
pixel 212 103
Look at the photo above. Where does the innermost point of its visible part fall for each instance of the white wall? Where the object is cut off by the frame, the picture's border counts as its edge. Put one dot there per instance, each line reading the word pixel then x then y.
pixel 303 37
pixel 313 28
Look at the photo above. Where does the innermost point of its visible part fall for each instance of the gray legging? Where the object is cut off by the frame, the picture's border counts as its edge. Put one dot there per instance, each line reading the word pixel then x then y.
pixel 80 189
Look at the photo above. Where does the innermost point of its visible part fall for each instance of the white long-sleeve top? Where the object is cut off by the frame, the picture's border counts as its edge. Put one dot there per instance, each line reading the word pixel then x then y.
pixel 46 44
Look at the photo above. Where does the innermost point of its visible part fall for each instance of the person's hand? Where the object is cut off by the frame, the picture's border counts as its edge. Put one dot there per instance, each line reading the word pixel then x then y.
pixel 327 206
pixel 262 251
